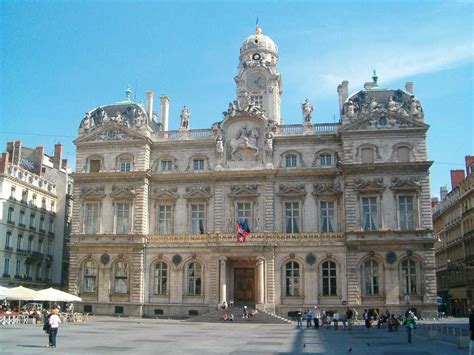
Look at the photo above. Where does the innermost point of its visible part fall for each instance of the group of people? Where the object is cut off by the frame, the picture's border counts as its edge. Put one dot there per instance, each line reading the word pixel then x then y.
pixel 51 323
pixel 320 317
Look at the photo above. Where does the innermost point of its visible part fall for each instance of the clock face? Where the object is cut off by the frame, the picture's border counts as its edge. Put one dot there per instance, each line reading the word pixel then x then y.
pixel 256 56
pixel 256 82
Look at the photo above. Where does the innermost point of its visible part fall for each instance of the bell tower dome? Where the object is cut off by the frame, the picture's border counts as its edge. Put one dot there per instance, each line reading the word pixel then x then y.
pixel 258 74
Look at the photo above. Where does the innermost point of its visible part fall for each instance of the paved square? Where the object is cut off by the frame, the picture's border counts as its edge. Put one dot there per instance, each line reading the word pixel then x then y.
pixel 103 335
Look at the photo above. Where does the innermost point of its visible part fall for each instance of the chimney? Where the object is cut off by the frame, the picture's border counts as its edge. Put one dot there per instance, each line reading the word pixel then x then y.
pixel 434 202
pixel 165 110
pixel 343 92
pixel 469 164
pixel 149 104
pixel 443 191
pixel 456 177
pixel 58 155
pixel 14 150
pixel 4 162
pixel 38 156
pixel 409 87
pixel 64 164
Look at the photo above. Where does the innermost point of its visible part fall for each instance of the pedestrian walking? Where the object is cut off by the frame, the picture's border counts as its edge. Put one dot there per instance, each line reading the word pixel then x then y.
pixel 409 323
pixel 54 321
pixel 316 317
pixel 299 318
pixel 309 318
pixel 350 318
pixel 336 319
pixel 471 331
pixel 366 317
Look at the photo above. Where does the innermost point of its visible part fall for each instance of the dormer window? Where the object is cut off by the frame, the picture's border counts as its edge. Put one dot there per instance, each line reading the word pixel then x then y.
pixel 198 164
pixel 290 161
pixel 325 159
pixel 166 165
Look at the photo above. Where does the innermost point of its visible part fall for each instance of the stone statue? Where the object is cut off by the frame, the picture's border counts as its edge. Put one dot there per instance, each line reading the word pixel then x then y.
pixel 373 104
pixel 118 116
pixel 219 145
pixel 87 122
pixel 269 143
pixel 245 139
pixel 391 104
pixel 185 114
pixel 231 109
pixel 350 109
pixel 307 110
pixel 415 107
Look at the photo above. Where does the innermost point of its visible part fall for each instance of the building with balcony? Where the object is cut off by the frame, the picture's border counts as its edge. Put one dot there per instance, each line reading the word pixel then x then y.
pixel 35 210
pixel 453 227
pixel 338 213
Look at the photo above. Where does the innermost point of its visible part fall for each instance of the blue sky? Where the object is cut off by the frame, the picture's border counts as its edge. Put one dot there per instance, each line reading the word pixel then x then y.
pixel 62 58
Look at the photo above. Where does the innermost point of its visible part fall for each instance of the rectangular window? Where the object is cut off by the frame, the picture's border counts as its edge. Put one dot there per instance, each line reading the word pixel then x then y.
pixel 327 216
pixel 30 244
pixel 40 246
pixel 369 213
pixel 32 220
pixel 24 196
pixel 91 220
pixel 18 267
pixel 41 226
pixel 11 210
pixel 21 220
pixel 290 161
pixel 123 218
pixel 125 165
pixel 6 266
pixel 292 215
pixel 405 212
pixel 50 247
pixel 19 242
pixel 325 160
pixel 244 212
pixel 12 192
pixel 8 237
pixel 198 164
pixel 198 218
pixel 51 226
pixel 257 100
pixel 166 165
pixel 27 270
pixel 165 219
pixel 94 166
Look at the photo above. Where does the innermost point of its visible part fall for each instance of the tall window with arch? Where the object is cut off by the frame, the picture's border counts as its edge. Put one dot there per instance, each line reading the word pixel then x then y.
pixel 160 284
pixel 371 277
pixel 120 277
pixel 292 216
pixel 193 278
pixel 409 277
pixel 329 278
pixel 89 276
pixel 292 278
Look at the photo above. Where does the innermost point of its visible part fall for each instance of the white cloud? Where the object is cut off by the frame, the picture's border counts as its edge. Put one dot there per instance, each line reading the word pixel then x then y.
pixel 320 76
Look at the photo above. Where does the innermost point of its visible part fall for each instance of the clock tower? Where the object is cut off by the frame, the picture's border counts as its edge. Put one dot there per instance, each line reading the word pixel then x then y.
pixel 258 74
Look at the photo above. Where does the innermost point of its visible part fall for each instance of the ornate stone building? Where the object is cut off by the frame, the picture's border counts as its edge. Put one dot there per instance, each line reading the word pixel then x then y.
pixel 338 213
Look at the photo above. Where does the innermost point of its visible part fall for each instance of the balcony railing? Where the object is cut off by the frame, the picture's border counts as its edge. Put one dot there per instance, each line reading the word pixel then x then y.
pixel 51 234
pixel 6 276
pixel 10 222
pixel 9 248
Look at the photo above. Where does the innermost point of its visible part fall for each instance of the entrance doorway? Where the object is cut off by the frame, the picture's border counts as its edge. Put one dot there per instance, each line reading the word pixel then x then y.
pixel 244 285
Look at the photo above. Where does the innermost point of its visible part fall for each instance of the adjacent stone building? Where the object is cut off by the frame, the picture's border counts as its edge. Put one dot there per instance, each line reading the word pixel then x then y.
pixel 35 210
pixel 453 227
pixel 339 213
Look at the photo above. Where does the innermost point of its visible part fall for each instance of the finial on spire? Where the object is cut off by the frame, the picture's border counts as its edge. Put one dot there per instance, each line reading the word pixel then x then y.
pixel 258 30
pixel 375 77
pixel 128 93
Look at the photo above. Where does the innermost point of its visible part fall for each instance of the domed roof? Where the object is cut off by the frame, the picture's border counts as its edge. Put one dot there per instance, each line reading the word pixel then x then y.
pixel 258 41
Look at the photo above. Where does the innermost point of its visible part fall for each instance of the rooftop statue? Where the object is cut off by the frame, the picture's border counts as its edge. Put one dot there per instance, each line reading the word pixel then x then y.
pixel 185 114
pixel 307 110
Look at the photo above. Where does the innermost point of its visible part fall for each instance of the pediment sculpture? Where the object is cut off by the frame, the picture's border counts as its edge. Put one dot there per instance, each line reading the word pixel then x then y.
pixel 246 139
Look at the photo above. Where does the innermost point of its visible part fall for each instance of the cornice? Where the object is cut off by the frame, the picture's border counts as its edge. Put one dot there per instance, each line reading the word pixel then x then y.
pixel 104 177
pixel 388 167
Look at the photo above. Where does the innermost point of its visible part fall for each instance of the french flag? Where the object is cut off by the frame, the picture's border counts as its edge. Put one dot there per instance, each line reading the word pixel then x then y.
pixel 243 230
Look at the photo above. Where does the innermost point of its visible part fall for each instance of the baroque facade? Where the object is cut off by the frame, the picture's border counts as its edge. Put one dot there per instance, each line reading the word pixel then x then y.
pixel 453 228
pixel 35 210
pixel 339 214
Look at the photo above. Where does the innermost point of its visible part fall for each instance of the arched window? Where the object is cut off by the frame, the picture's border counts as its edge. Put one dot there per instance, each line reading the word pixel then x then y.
pixel 160 284
pixel 291 160
pixel 403 154
pixel 11 210
pixel 193 278
pixel 292 278
pixel 120 277
pixel 328 271
pixel 371 277
pixel 89 273
pixel 409 277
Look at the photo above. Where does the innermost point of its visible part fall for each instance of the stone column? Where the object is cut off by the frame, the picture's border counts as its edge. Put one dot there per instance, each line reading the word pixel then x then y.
pixel 223 279
pixel 261 280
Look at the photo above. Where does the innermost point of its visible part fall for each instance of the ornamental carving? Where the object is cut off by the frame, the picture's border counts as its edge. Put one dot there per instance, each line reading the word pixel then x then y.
pixel 105 258
pixel 292 190
pixel 243 104
pixel 245 140
pixel 113 134
pixel 310 259
pixel 248 191
pixel 391 257
pixel 203 192
pixel 327 188
pixel 406 183
pixel 93 192
pixel 375 184
pixel 122 191
pixel 176 259
pixel 166 194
